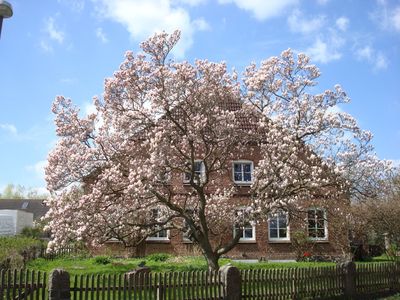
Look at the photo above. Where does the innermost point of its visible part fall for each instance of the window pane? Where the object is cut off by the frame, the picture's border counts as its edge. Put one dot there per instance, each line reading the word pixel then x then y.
pixel 247 168
pixel 320 223
pixel 238 176
pixel 311 223
pixel 273 233
pixel 311 214
pixel 237 168
pixel 162 233
pixel 320 214
pixel 238 231
pixel 282 221
pixel 273 223
pixel 248 233
pixel 321 233
pixel 282 233
pixel 197 166
pixel 247 177
pixel 187 177
pixel 312 233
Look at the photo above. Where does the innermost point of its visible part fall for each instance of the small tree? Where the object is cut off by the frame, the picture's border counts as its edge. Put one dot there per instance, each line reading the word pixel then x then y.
pixel 161 120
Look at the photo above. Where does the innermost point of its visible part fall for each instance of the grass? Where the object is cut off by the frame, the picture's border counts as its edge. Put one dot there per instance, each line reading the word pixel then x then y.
pixel 80 266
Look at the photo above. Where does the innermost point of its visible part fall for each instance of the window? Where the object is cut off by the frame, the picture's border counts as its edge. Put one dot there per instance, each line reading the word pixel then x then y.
pixel 164 177
pixel 186 229
pixel 317 224
pixel 247 231
pixel 198 171
pixel 278 226
pixel 243 172
pixel 162 234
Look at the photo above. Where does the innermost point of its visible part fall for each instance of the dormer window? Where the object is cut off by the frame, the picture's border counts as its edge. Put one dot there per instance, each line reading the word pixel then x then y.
pixel 243 172
pixel 198 170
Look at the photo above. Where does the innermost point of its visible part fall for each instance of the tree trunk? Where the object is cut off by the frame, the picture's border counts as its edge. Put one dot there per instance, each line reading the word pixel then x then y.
pixel 212 261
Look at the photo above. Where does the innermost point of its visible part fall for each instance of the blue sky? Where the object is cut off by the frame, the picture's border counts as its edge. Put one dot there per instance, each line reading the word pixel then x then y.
pixel 68 47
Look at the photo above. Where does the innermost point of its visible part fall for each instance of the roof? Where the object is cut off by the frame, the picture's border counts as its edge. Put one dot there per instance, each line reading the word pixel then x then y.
pixel 35 206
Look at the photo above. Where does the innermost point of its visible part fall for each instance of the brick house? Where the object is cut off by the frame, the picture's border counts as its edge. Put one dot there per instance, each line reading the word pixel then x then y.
pixel 271 239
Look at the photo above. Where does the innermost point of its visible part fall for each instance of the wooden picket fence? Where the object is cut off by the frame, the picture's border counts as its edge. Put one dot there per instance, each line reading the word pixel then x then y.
pixel 291 283
pixel 383 276
pixel 64 252
pixel 23 284
pixel 163 286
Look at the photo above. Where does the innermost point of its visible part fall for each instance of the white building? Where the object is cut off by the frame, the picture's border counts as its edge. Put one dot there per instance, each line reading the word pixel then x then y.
pixel 12 221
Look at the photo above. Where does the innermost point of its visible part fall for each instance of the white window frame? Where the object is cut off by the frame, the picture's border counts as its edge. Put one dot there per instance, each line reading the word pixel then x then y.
pixel 276 215
pixel 251 172
pixel 245 239
pixel 186 175
pixel 156 236
pixel 325 238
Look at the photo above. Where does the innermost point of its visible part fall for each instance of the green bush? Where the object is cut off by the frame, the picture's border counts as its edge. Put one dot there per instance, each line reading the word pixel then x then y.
pixel 158 257
pixel 32 232
pixel 102 260
pixel 15 251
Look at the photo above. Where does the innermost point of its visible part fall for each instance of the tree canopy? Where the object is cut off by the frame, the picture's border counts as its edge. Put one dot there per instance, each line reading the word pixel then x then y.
pixel 160 119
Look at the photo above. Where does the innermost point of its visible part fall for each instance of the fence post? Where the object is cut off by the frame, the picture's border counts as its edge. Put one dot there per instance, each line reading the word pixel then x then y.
pixel 59 285
pixel 232 282
pixel 349 280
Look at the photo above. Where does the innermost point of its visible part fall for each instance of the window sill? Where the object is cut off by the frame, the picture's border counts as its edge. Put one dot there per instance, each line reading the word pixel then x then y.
pixel 187 242
pixel 322 241
pixel 158 241
pixel 246 183
pixel 247 242
pixel 279 241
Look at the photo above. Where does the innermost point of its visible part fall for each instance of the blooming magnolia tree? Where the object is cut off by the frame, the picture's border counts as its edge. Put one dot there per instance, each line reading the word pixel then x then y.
pixel 118 173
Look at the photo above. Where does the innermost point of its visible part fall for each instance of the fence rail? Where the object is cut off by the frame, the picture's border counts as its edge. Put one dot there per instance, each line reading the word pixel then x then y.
pixel 23 284
pixel 146 286
pixel 292 283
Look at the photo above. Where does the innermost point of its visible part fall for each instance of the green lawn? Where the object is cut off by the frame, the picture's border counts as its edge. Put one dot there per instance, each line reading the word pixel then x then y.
pixel 77 265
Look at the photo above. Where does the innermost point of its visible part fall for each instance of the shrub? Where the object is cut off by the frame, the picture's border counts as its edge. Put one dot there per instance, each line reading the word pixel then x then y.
pixel 158 257
pixel 302 245
pixel 32 232
pixel 16 251
pixel 393 252
pixel 102 260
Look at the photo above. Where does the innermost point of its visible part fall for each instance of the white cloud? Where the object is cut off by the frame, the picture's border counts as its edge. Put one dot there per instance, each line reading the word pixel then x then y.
pixel 342 23
pixel 46 47
pixel 395 18
pixel 89 108
pixel 201 24
pixel 74 5
pixel 262 9
pixel 305 25
pixel 38 168
pixel 9 128
pixel 191 2
pixel 53 32
pixel 143 18
pixel 376 58
pixel 101 35
pixel 322 52
pixel 386 16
